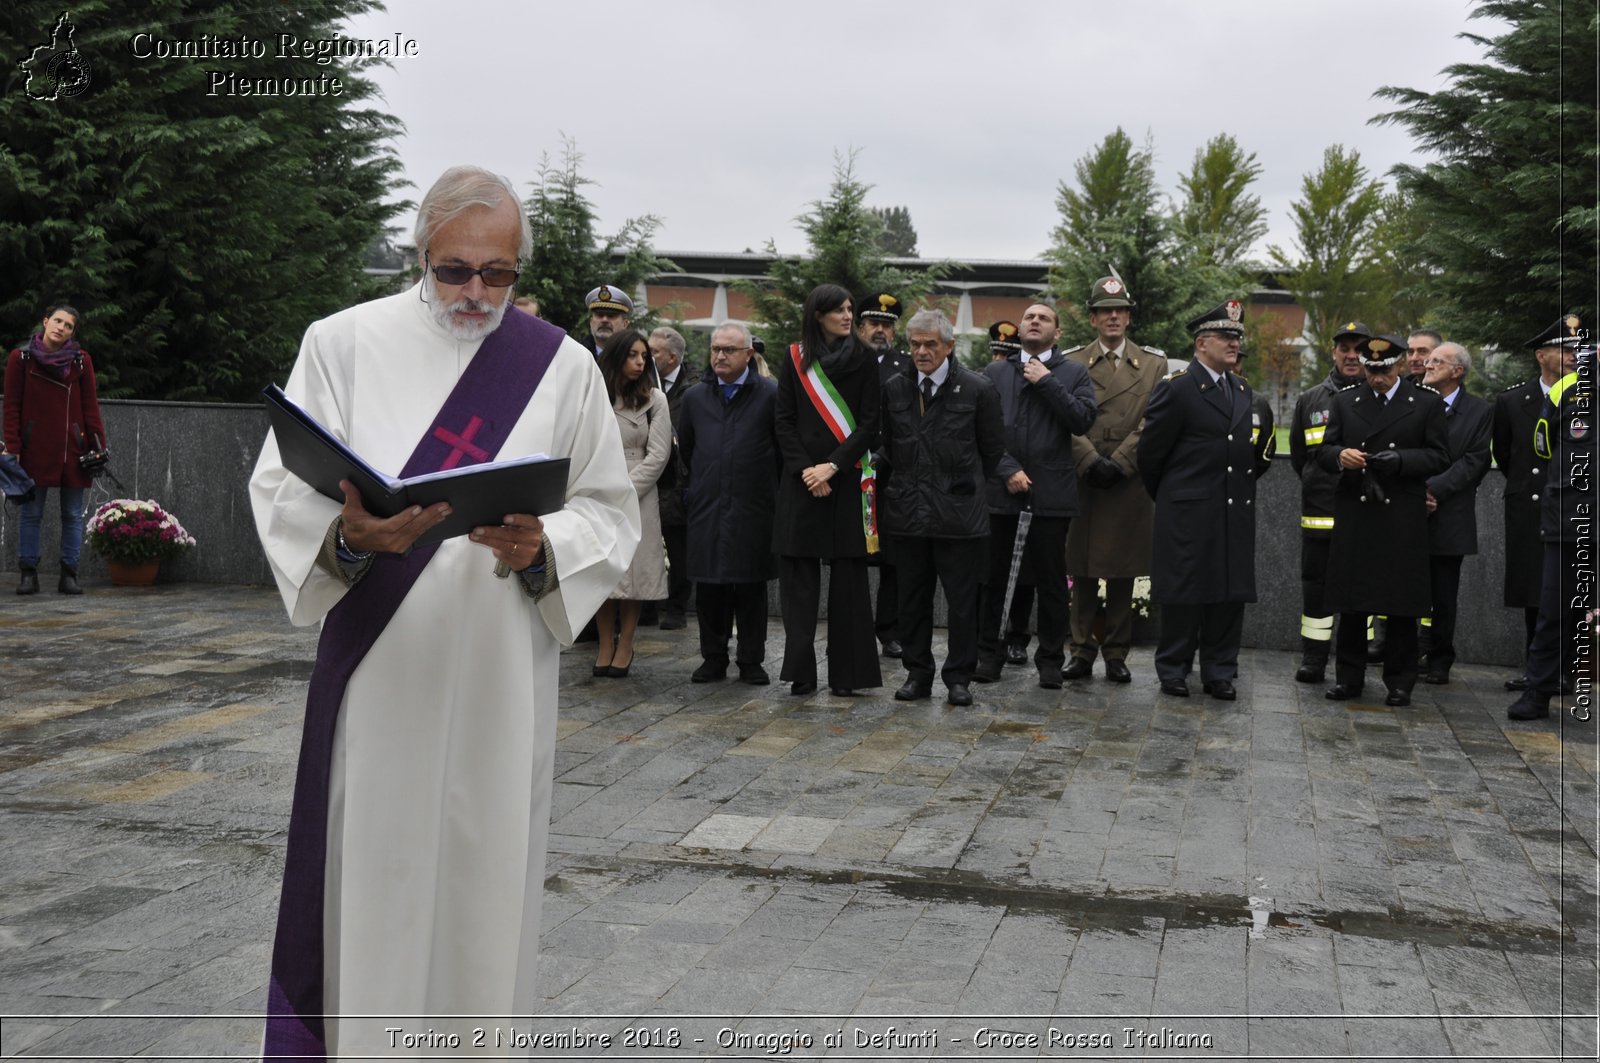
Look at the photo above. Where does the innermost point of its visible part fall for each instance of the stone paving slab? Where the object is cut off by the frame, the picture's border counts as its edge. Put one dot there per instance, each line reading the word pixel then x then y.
pixel 1097 872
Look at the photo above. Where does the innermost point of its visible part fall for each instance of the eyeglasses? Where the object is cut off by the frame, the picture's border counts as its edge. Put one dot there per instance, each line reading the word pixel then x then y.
pixel 719 351
pixel 493 276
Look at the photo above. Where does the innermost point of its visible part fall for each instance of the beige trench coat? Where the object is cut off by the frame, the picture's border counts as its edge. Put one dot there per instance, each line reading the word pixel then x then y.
pixel 1110 536
pixel 646 443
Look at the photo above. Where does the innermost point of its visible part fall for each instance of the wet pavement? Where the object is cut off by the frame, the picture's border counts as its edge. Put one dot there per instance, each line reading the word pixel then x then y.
pixel 1097 872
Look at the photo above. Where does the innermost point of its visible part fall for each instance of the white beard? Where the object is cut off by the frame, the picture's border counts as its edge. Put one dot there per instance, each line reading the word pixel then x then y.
pixel 444 313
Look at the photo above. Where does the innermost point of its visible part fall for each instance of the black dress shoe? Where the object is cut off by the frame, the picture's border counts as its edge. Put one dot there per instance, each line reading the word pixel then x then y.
pixel 959 695
pixel 913 691
pixel 1016 655
pixel 892 648
pixel 1117 672
pixel 1342 692
pixel 1310 673
pixel 1175 687
pixel 1397 698
pixel 1050 680
pixel 1078 668
pixel 802 689
pixel 1529 707
pixel 1437 679
pixel 986 672
pixel 1519 683
pixel 709 672
pixel 754 674
pixel 1221 689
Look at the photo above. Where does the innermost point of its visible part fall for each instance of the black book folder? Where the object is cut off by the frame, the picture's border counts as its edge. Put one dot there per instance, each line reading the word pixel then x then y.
pixel 478 494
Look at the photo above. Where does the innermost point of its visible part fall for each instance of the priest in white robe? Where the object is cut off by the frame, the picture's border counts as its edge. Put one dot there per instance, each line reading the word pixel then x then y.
pixel 439 777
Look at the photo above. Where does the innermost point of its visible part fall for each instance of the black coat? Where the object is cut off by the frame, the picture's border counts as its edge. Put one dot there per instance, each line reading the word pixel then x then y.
pixel 1567 503
pixel 1040 421
pixel 1198 461
pixel 1375 558
pixel 1516 411
pixel 895 363
pixel 831 526
pixel 939 459
pixel 730 465
pixel 669 489
pixel 1453 526
pixel 1317 485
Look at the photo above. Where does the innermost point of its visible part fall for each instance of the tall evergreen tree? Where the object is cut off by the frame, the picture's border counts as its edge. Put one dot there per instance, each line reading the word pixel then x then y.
pixel 898 238
pixel 1114 217
pixel 1334 273
pixel 1509 214
pixel 1217 216
pixel 842 235
pixel 198 233
pixel 569 258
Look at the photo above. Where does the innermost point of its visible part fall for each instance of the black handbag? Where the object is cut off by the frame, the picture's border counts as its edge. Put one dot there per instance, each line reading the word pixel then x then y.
pixel 15 484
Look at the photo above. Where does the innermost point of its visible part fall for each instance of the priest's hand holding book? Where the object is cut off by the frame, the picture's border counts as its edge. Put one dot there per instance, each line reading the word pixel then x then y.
pixel 364 533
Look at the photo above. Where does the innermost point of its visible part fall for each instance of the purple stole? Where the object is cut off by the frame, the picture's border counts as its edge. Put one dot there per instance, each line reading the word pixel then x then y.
pixel 469 429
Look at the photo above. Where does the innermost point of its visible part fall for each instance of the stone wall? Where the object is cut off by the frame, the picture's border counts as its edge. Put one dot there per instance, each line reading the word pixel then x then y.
pixel 195 460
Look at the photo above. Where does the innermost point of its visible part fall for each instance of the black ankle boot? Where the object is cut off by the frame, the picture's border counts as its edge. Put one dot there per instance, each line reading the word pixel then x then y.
pixel 28 581
pixel 68 583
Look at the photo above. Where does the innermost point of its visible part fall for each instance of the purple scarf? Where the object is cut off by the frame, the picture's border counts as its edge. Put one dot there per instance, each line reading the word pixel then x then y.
pixel 492 393
pixel 56 361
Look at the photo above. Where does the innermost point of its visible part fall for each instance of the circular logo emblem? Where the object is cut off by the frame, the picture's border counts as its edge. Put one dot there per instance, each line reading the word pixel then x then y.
pixel 1111 287
pixel 69 72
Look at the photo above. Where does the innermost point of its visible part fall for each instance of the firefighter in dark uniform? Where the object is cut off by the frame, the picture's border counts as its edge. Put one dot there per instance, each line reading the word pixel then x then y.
pixel 876 318
pixel 1563 638
pixel 1316 498
pixel 1198 459
pixel 1516 412
pixel 1384 438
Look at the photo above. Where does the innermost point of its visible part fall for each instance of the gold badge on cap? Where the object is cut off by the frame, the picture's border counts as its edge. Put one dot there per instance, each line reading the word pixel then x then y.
pixel 887 301
pixel 604 294
pixel 1006 330
pixel 1378 346
pixel 1572 324
pixel 1349 326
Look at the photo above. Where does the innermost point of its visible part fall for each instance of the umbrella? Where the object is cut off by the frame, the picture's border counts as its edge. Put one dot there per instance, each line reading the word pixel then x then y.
pixel 1024 519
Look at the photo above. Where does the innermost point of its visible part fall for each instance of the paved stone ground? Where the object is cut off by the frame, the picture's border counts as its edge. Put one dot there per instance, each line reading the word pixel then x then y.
pixel 1289 876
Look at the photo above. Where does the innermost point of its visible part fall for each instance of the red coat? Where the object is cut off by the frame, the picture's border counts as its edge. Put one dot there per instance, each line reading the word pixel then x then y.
pixel 50 421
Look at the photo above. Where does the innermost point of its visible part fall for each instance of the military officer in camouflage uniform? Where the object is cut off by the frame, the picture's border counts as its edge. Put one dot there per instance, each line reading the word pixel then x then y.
pixel 1110 538
pixel 1316 498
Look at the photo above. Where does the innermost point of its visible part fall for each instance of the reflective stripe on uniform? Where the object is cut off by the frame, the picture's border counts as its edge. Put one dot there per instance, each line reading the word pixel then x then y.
pixel 1541 430
pixel 1314 435
pixel 1317 628
pixel 1426 621
pixel 1316 523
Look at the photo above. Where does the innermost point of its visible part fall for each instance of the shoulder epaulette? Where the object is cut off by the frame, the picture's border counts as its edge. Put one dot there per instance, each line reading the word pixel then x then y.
pixel 1156 350
pixel 1075 350
pixel 1347 387
pixel 1430 387
pixel 1176 373
pixel 1518 384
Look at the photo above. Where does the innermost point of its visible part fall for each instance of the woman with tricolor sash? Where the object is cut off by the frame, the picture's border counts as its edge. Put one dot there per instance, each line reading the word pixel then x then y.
pixel 827 421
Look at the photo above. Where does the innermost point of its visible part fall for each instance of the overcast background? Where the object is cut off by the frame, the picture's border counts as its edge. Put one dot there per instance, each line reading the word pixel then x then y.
pixel 722 116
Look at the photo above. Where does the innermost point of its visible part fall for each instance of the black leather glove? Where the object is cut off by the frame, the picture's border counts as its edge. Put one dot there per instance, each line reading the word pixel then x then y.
pixel 1385 462
pixel 1104 473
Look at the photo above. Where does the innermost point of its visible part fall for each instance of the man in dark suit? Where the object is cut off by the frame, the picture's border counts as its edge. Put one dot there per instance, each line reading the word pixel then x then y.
pixel 942 438
pixel 1385 438
pixel 667 348
pixel 1198 460
pixel 1452 498
pixel 876 318
pixel 1046 400
pixel 1516 412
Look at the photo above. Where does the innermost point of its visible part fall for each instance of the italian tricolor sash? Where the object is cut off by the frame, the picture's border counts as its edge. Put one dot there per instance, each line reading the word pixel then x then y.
pixel 841 422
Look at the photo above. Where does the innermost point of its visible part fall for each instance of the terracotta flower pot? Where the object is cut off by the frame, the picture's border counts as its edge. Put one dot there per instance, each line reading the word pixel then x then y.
pixel 132 573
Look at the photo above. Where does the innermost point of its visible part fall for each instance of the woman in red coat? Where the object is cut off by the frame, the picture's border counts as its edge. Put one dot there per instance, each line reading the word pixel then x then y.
pixel 52 418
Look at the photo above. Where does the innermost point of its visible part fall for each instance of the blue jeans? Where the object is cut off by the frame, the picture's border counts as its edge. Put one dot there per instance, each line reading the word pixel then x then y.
pixel 71 504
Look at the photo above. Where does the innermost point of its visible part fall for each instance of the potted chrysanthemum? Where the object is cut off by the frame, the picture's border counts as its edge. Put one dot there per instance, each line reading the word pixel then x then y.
pixel 135 537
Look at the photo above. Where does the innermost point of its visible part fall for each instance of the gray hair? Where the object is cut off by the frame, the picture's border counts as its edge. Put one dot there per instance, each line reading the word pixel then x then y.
pixel 460 188
pixel 672 338
pixel 736 327
pixel 1459 356
pixel 929 320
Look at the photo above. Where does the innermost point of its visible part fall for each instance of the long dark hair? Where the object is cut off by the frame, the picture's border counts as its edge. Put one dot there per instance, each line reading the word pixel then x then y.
pixel 613 356
pixel 814 341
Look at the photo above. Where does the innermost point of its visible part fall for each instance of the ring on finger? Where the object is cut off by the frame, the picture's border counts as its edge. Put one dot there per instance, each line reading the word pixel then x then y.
pixel 514 547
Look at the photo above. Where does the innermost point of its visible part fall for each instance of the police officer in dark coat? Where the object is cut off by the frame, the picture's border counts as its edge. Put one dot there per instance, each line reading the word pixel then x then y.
pixel 1045 400
pixel 1563 437
pixel 667 349
pixel 876 318
pixel 941 441
pixel 820 512
pixel 1198 460
pixel 1385 438
pixel 729 446
pixel 1516 412
pixel 1317 486
pixel 1452 499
